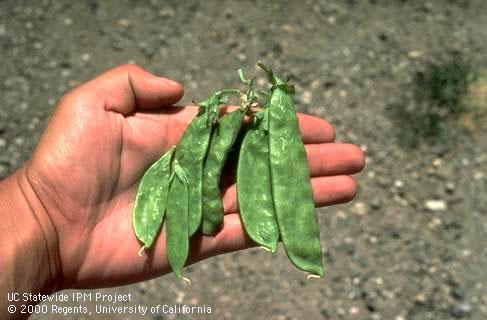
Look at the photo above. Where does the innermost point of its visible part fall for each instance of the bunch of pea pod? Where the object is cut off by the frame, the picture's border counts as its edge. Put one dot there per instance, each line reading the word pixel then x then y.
pixel 273 183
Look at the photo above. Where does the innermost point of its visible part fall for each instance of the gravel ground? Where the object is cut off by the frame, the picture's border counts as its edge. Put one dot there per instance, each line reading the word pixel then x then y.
pixel 412 244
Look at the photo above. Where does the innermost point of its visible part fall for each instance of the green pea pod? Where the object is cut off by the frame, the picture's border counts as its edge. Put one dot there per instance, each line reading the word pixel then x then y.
pixel 291 185
pixel 221 142
pixel 254 185
pixel 151 200
pixel 191 152
pixel 177 237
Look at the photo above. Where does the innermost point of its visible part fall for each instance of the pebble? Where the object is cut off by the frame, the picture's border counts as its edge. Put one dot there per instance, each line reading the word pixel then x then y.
pixel 180 297
pixel 461 310
pixel 3 143
pixel 414 54
pixel 478 175
pixel 359 208
pixel 307 97
pixel 124 22
pixel 458 293
pixel 375 203
pixel 450 187
pixel 353 310
pixel 20 141
pixel 167 12
pixel 376 316
pixel 420 298
pixel 435 205
pixel 398 184
pixel 242 57
pixel 85 57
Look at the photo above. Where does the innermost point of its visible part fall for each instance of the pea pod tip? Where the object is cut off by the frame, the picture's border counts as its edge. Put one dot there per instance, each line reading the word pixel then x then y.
pixel 314 276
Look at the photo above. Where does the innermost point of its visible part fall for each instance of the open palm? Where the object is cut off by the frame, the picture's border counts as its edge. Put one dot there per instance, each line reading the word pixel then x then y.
pixel 99 142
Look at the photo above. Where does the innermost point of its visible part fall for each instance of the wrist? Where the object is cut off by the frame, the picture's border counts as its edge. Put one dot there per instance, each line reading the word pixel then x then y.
pixel 28 242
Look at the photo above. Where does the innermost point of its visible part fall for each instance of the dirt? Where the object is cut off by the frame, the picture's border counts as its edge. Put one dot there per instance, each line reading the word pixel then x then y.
pixel 412 243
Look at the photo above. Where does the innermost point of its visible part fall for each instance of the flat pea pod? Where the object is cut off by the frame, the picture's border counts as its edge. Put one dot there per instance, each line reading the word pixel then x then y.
pixel 254 185
pixel 151 200
pixel 177 237
pixel 291 185
pixel 221 142
pixel 191 152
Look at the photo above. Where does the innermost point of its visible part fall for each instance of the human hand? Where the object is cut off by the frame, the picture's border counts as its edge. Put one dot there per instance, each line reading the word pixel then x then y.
pixel 86 169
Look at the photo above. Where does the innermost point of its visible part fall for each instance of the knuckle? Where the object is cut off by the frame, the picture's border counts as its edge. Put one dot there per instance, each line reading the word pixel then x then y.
pixel 127 68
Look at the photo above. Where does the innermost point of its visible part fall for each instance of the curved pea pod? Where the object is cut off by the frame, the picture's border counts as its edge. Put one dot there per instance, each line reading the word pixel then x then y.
pixel 291 185
pixel 191 153
pixel 254 185
pixel 151 200
pixel 177 237
pixel 221 142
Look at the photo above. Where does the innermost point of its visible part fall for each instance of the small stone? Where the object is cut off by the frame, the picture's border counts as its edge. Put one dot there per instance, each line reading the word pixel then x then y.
pixel 461 310
pixel 353 310
pixel 68 21
pixel 307 97
pixel 124 22
pixel 242 57
pixel 437 162
pixel 458 293
pixel 478 175
pixel 376 316
pixel 341 215
pixel 420 298
pixel 414 54
pixel 434 223
pixel 375 203
pixel 435 205
pixel 399 317
pixel 85 57
pixel 359 209
pixel 167 12
pixel 180 297
pixel 288 28
pixel 398 184
pixel 3 30
pixel 450 187
pixel 19 141
pixel 379 281
pixel 3 143
pixel 348 246
pixel 466 253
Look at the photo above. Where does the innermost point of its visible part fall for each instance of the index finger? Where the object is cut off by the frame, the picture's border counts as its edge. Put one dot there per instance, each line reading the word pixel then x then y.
pixel 315 130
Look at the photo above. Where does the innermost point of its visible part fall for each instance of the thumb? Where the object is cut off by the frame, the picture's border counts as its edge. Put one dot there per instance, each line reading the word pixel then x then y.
pixel 127 88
